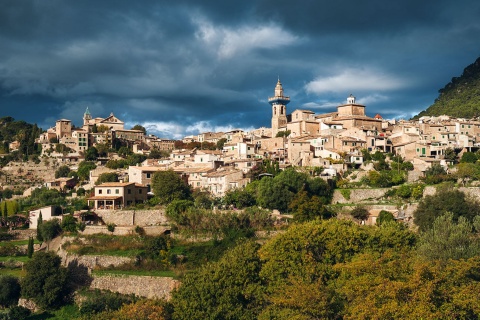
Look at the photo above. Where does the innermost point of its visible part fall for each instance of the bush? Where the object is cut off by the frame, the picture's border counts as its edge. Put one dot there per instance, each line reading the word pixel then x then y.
pixel 9 290
pixel 46 281
pixel 100 301
pixel 360 213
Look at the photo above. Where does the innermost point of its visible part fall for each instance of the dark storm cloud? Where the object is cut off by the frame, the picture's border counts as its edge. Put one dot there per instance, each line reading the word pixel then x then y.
pixel 184 66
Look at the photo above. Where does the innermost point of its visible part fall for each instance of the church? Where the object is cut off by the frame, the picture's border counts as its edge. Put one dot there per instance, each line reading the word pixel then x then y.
pixel 304 122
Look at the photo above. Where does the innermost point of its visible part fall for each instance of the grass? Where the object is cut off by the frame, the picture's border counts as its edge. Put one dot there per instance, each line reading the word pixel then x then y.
pixel 17 242
pixel 16 258
pixel 66 312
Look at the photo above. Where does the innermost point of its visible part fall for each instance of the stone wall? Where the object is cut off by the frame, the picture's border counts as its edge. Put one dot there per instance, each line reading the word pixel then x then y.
pixel 123 230
pixel 142 286
pixel 133 217
pixel 358 195
pixel 23 234
pixel 93 261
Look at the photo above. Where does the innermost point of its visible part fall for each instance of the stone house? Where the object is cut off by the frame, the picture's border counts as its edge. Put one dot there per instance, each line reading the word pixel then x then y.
pixel 48 213
pixel 117 195
pixel 219 182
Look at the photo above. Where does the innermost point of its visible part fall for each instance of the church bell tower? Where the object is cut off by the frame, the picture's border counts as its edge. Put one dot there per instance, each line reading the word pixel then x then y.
pixel 279 109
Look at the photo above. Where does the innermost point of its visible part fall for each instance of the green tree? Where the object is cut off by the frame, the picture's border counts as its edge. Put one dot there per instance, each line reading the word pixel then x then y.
pixel 467 171
pixel 168 186
pixel 46 281
pixel 360 213
pixel 228 289
pixel 9 290
pixel 221 143
pixel 124 151
pixel 445 200
pixel 84 169
pixel 69 223
pixel 30 247
pixel 305 208
pixel 450 154
pixel 448 239
pixel 91 154
pixel 239 198
pixel 177 208
pixel 468 157
pixel 111 227
pixel 384 217
pixel 107 177
pixel 39 225
pixel 63 171
pixel 49 229
pixel 140 128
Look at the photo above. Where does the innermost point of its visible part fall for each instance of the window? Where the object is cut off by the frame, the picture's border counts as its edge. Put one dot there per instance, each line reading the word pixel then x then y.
pixel 117 191
pixel 139 191
pixel 109 191
pixel 100 191
pixel 148 175
pixel 129 191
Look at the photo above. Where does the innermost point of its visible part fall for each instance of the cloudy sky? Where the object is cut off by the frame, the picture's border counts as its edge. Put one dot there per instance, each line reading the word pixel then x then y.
pixel 186 66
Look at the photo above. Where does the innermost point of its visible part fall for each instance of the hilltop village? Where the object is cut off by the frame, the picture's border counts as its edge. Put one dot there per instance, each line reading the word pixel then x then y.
pixel 334 142
pixel 337 208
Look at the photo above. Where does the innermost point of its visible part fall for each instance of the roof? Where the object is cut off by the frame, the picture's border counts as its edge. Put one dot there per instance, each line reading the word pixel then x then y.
pixel 105 198
pixel 115 184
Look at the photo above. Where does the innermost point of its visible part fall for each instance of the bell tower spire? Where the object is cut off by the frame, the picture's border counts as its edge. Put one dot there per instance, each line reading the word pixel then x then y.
pixel 279 108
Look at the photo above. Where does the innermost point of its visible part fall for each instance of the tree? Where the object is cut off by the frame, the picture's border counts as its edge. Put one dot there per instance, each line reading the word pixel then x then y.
pixel 468 157
pixel 107 177
pixel 49 229
pixel 445 200
pixel 360 213
pixel 283 134
pixel 305 208
pixel 239 198
pixel 140 128
pixel 124 151
pixel 111 227
pixel 384 217
pixel 221 143
pixel 448 239
pixel 30 247
pixel 91 154
pixel 84 169
pixel 9 290
pixel 450 154
pixel 168 186
pixel 46 281
pixel 39 224
pixel 69 223
pixel 228 289
pixel 63 171
pixel 467 171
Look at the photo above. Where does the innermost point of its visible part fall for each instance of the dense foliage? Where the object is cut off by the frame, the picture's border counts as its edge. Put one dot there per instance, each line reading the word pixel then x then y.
pixel 46 281
pixel 460 97
pixel 25 134
pixel 445 200
pixel 168 186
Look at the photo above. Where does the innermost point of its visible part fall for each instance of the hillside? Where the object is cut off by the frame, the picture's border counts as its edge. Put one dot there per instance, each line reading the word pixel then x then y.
pixel 460 97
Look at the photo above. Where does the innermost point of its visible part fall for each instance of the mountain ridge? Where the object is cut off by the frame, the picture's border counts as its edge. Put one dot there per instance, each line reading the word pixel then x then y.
pixel 460 97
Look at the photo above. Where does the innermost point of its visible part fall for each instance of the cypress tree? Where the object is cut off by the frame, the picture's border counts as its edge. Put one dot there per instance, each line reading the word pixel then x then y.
pixel 30 247
pixel 4 211
pixel 39 226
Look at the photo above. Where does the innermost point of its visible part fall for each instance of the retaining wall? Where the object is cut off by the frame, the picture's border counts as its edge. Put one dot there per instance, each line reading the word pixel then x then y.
pixel 358 195
pixel 142 286
pixel 133 217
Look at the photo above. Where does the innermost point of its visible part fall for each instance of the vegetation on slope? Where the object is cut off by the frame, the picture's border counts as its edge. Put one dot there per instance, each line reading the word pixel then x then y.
pixel 460 97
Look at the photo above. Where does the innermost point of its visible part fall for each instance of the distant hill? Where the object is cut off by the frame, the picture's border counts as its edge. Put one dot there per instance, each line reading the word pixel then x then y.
pixel 460 97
